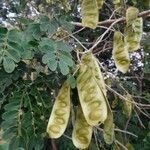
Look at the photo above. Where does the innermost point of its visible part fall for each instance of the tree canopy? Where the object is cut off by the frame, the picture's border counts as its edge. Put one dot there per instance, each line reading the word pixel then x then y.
pixel 74 74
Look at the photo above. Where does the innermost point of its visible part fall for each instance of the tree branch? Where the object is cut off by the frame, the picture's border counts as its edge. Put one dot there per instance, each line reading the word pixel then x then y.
pixel 110 21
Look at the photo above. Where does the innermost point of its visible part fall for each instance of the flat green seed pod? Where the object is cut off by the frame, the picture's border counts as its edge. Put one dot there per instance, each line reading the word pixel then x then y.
pixel 92 116
pixel 120 53
pixel 131 15
pixel 89 13
pixel 82 131
pixel 133 35
pixel 60 113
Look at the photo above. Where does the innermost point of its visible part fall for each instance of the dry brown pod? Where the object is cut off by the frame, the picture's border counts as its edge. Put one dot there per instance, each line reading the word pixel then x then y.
pixel 82 131
pixel 60 113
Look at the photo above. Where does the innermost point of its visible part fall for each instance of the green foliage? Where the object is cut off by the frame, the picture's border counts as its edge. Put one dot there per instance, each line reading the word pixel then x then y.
pixel 38 52
pixel 56 54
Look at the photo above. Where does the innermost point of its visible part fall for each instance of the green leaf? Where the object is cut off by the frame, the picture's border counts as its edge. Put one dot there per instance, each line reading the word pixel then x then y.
pixel 12 106
pixel 4 146
pixel 52 64
pixel 3 32
pixel 13 54
pixel 9 133
pixel 47 45
pixel 27 54
pixel 67 58
pixel 8 123
pixel 14 143
pixel 36 142
pixel 48 25
pixel 10 114
pixel 63 46
pixel 14 36
pixel 64 69
pixel 72 81
pixel 8 64
pixel 34 30
pixel 47 57
pixel 66 24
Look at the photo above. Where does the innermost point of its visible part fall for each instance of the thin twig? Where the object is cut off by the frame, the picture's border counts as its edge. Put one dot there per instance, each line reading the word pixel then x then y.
pixel 127 132
pixel 79 43
pixel 140 121
pixel 96 140
pixel 118 130
pixel 116 141
pixel 68 137
pixel 123 98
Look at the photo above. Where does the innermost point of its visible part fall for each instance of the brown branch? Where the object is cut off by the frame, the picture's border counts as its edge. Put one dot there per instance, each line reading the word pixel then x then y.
pixel 110 21
pixel 53 144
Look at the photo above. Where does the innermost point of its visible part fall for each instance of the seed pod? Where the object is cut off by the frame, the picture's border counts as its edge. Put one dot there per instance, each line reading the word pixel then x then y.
pixel 89 13
pixel 90 60
pixel 128 105
pixel 108 132
pixel 118 4
pixel 100 3
pixel 120 53
pixel 133 35
pixel 60 113
pixel 91 98
pixel 82 131
pixel 131 15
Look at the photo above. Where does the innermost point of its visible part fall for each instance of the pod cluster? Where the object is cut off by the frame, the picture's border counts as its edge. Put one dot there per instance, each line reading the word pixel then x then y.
pixel 130 42
pixel 93 109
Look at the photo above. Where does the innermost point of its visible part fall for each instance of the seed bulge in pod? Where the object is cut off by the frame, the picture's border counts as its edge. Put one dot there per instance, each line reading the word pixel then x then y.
pixel 60 115
pixel 59 120
pixel 90 60
pixel 55 129
pixel 131 15
pixel 86 97
pixel 82 131
pixel 133 35
pixel 120 53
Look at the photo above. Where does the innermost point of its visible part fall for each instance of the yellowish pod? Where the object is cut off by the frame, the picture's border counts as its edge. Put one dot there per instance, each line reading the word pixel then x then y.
pixel 133 35
pixel 131 15
pixel 120 53
pixel 82 131
pixel 91 97
pixel 108 131
pixel 60 113
pixel 90 60
pixel 100 3
pixel 89 13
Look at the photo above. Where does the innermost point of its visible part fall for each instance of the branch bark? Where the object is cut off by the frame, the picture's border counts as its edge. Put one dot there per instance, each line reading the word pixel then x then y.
pixel 110 21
